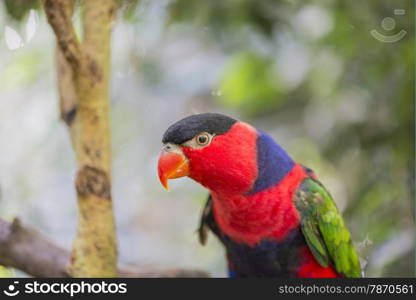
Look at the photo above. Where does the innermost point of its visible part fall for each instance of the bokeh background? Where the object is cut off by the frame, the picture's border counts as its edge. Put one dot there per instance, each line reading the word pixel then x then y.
pixel 308 72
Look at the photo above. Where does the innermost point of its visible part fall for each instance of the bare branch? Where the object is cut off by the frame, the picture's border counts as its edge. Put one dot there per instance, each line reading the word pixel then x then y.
pixel 67 93
pixel 94 251
pixel 59 14
pixel 28 250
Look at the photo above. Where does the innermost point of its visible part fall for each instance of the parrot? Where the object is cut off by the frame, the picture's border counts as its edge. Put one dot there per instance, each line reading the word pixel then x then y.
pixel 272 215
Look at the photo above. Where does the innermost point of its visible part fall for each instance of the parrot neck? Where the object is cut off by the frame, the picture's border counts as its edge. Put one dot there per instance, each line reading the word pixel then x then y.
pixel 269 213
pixel 273 163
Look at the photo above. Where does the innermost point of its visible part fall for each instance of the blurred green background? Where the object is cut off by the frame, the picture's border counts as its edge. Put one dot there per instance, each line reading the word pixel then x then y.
pixel 310 73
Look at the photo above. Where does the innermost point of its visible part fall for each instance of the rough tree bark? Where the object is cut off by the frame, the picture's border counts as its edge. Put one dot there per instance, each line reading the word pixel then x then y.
pixel 83 76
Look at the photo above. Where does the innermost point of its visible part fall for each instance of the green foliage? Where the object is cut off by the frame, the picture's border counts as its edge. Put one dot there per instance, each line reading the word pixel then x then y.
pixel 222 16
pixel 18 9
pixel 249 83
pixel 128 9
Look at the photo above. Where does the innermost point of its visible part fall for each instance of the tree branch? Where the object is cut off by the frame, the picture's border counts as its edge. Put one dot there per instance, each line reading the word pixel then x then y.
pixel 83 77
pixel 67 93
pixel 59 13
pixel 26 249
pixel 94 251
pixel 30 251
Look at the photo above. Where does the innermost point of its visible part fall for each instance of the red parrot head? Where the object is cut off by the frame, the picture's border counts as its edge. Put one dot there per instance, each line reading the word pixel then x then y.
pixel 217 151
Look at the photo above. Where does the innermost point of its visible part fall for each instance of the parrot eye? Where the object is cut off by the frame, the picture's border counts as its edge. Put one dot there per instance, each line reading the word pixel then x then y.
pixel 203 139
pixel 199 141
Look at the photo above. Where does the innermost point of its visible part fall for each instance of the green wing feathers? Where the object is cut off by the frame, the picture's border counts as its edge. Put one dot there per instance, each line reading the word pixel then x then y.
pixel 325 232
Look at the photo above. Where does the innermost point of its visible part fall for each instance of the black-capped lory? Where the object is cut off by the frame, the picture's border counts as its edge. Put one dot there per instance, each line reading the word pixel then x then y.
pixel 273 216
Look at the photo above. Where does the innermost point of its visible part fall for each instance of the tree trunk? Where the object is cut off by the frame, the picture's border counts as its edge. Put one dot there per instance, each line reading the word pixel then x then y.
pixel 83 80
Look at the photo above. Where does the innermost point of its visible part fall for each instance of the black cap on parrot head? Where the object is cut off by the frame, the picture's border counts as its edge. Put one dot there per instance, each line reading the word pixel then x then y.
pixel 188 127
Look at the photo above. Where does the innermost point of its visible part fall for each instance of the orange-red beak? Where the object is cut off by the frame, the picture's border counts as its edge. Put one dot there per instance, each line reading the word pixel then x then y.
pixel 172 165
